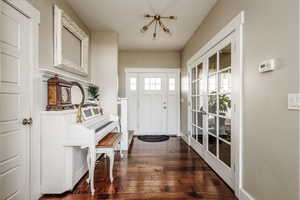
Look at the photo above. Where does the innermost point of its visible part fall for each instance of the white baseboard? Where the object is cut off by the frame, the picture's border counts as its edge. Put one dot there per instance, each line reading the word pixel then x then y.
pixel 244 195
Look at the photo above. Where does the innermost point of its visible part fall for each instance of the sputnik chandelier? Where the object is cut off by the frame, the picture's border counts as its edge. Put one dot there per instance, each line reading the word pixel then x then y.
pixel 156 20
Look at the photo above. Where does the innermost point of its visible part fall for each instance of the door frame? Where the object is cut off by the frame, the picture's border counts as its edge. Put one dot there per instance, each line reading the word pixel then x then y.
pixel 174 70
pixel 33 16
pixel 236 25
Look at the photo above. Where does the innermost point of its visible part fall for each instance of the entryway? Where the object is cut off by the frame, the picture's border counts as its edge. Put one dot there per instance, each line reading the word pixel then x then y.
pixel 153 101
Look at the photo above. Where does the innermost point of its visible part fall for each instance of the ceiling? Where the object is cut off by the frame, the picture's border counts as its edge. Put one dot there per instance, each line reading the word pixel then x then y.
pixel 126 18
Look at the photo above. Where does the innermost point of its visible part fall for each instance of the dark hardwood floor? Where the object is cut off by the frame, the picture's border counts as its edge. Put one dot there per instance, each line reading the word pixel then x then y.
pixel 154 171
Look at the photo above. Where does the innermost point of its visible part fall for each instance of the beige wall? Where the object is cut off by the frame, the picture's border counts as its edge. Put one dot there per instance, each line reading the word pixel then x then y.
pixel 145 59
pixel 270 152
pixel 105 68
pixel 46 43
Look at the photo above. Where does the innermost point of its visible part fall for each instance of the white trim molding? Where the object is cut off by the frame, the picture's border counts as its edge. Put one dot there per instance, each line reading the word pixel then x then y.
pixel 152 70
pixel 62 20
pixel 26 9
pixel 244 195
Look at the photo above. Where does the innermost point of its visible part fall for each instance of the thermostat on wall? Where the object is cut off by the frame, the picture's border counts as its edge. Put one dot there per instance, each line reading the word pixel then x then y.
pixel 267 66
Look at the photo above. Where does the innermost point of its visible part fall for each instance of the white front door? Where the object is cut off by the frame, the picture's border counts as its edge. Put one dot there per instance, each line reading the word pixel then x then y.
pixel 14 103
pixel 153 103
pixel 213 96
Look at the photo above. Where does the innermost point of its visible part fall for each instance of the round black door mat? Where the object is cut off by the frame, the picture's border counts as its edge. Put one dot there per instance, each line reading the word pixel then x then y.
pixel 154 138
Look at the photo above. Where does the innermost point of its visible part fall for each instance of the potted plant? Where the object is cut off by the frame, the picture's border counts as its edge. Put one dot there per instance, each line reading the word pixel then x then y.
pixel 93 92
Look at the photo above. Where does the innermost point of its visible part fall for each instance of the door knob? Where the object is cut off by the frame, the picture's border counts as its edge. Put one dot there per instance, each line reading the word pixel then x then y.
pixel 27 122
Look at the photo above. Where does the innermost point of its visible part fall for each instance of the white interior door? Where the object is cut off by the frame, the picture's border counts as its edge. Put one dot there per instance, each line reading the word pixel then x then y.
pixel 153 103
pixel 14 103
pixel 212 97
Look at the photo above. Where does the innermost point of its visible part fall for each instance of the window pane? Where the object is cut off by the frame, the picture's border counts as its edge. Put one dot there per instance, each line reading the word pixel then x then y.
pixel 194 103
pixel 225 129
pixel 212 104
pixel 225 57
pixel 193 74
pixel 152 83
pixel 212 124
pixel 225 105
pixel 194 132
pixel 200 120
pixel 200 103
pixel 132 84
pixel 171 84
pixel 225 153
pixel 200 136
pixel 212 144
pixel 194 88
pixel 225 81
pixel 201 86
pixel 200 70
pixel 212 84
pixel 212 64
pixel 194 114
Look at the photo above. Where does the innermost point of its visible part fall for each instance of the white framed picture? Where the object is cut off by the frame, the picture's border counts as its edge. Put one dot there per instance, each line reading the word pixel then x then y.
pixel 71 44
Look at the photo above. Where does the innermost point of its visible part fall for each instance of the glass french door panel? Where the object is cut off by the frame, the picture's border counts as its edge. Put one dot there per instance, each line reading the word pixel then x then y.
pixel 201 86
pixel 212 144
pixel 194 118
pixel 212 84
pixel 200 72
pixel 194 74
pixel 212 104
pixel 200 103
pixel 194 132
pixel 225 129
pixel 225 105
pixel 197 87
pixel 194 91
pixel 225 152
pixel 200 119
pixel 194 101
pixel 200 135
pixel 225 57
pixel 212 124
pixel 212 64
pixel 225 81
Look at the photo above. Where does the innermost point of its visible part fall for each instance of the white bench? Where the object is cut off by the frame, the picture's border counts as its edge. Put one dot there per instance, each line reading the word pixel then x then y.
pixel 106 146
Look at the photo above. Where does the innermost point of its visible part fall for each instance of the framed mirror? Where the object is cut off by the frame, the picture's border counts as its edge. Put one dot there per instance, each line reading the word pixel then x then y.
pixel 77 94
pixel 71 44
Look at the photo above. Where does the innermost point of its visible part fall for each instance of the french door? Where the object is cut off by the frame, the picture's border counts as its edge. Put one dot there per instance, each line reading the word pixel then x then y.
pixel 213 96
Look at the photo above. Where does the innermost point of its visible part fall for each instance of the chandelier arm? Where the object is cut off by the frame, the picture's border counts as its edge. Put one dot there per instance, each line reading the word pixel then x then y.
pixel 155 30
pixel 150 23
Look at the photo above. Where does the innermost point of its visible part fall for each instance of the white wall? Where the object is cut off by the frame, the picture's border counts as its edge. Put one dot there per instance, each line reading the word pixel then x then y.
pixel 271 131
pixel 145 59
pixel 104 68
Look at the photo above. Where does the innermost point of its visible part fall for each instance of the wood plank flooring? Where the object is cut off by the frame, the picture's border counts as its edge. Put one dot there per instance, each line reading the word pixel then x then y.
pixel 167 170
